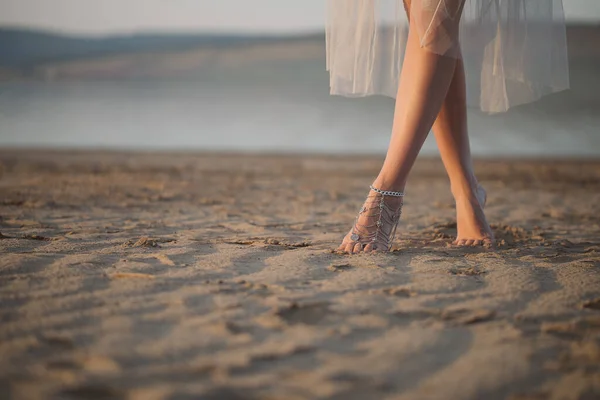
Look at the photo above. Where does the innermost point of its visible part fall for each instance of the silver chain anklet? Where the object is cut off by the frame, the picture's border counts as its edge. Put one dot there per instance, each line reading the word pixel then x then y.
pixel 387 192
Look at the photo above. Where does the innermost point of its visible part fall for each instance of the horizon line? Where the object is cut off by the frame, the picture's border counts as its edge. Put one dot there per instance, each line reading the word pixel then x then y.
pixel 164 32
pixel 192 32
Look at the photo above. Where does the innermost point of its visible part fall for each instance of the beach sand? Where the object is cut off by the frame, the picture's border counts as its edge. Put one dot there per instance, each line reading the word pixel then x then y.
pixel 206 276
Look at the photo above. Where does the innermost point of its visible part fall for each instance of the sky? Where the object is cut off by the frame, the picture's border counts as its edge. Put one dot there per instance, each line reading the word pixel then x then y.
pixel 101 17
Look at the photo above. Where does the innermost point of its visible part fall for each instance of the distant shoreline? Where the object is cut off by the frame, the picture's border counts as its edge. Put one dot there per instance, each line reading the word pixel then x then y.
pixel 199 33
pixel 27 55
pixel 12 154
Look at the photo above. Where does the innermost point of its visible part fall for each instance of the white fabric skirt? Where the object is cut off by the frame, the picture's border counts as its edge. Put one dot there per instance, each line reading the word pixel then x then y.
pixel 514 51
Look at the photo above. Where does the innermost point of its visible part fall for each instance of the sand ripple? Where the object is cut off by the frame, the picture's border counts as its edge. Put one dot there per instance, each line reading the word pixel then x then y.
pixel 157 276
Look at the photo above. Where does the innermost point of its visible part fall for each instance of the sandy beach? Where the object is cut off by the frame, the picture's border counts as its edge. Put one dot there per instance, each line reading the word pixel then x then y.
pixel 211 276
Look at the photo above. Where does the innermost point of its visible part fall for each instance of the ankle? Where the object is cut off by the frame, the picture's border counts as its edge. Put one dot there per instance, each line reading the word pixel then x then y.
pixel 385 184
pixel 466 188
pixel 393 200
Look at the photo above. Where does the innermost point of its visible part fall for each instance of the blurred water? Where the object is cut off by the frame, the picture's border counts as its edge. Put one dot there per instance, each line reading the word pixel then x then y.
pixel 283 108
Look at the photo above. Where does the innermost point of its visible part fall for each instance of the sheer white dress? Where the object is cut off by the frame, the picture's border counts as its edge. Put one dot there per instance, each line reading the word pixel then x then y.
pixel 514 51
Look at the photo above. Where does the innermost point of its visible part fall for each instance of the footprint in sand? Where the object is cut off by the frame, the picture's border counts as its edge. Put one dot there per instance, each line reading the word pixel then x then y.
pixel 468 317
pixel 62 365
pixel 466 271
pixel 397 292
pixel 339 267
pixel 58 342
pixel 593 304
pixel 309 314
pixel 142 242
pixel 91 392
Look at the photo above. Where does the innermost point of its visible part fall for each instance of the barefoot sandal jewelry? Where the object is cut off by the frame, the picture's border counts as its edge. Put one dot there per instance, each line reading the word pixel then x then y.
pixel 377 210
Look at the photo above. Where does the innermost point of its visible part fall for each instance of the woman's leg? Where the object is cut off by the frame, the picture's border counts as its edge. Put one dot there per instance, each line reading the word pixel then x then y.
pixel 424 84
pixel 451 134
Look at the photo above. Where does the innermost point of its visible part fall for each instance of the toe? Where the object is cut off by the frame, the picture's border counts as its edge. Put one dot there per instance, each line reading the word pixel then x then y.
pixel 349 247
pixel 343 247
pixel 477 242
pixel 460 242
pixel 368 248
pixel 358 247
pixel 469 242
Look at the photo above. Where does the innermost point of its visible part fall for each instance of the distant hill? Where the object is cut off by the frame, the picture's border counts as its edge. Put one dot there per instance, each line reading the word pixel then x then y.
pixel 22 50
pixel 35 55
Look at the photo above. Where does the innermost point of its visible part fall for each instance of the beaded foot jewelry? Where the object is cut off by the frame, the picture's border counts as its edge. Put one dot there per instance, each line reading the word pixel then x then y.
pixel 379 216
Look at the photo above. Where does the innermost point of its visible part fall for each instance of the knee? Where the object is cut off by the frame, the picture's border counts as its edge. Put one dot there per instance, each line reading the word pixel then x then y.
pixel 437 24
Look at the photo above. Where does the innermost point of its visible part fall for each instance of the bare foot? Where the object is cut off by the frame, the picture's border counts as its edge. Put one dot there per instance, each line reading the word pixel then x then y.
pixel 375 225
pixel 472 226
